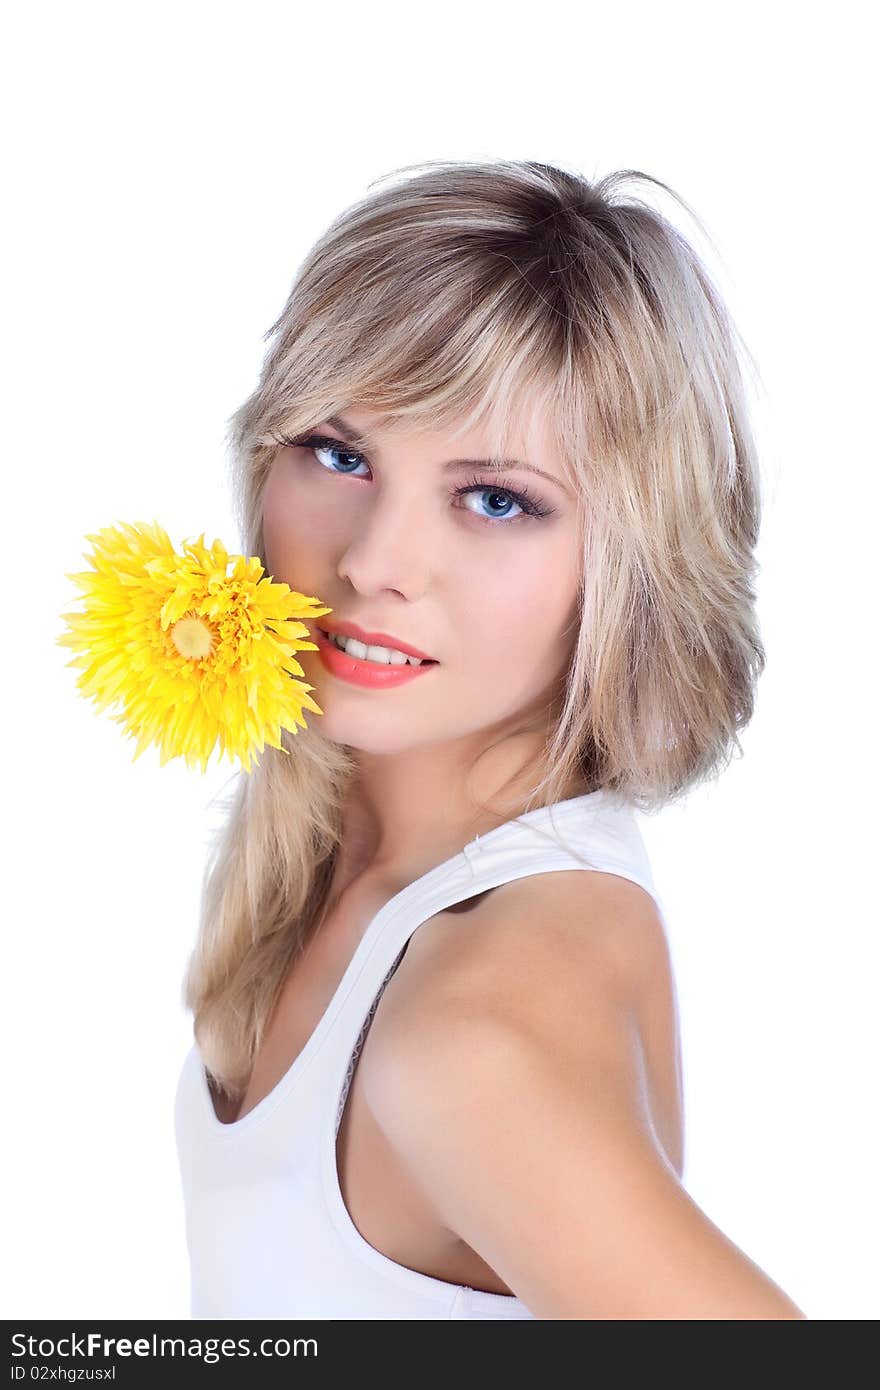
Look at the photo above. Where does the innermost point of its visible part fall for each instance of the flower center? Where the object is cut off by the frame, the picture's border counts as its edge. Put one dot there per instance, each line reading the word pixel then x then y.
pixel 192 637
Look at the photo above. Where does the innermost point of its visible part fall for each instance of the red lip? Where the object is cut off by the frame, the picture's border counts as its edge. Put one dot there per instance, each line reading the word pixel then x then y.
pixel 372 639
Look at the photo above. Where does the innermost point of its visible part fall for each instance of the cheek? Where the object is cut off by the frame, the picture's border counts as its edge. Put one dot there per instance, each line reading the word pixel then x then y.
pixel 273 528
pixel 298 523
pixel 522 607
pixel 531 586
pixel 291 533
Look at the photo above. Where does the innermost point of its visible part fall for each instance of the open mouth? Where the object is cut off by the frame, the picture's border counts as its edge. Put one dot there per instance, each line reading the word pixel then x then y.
pixel 376 656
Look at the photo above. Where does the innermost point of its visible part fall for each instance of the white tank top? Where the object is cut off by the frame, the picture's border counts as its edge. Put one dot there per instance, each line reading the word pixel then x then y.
pixel 268 1232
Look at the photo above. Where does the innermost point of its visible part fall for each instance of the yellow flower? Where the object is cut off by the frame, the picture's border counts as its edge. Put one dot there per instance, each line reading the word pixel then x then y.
pixel 198 656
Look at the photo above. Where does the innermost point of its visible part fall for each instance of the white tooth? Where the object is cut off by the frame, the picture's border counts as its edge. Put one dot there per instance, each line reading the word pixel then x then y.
pixel 379 654
pixel 387 655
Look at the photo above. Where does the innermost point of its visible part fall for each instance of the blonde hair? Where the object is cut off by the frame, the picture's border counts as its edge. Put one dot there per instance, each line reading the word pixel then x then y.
pixel 456 297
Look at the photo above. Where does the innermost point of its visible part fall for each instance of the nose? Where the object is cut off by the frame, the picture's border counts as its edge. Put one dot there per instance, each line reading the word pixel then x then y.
pixel 389 549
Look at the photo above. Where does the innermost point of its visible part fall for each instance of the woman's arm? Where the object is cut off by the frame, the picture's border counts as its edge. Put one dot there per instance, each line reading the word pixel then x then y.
pixel 512 1083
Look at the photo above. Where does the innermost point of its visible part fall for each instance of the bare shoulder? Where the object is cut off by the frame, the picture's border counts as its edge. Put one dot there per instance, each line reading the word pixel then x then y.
pixel 509 1070
pixel 571 956
pixel 554 919
pixel 592 918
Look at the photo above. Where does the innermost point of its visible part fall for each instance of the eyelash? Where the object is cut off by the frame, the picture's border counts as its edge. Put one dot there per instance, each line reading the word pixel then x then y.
pixel 531 506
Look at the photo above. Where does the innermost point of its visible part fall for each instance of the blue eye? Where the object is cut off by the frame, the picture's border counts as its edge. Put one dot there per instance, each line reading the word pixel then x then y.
pixel 528 503
pixel 325 447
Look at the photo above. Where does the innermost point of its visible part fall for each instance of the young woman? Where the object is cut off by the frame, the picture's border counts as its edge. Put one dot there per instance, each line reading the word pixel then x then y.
pixel 502 432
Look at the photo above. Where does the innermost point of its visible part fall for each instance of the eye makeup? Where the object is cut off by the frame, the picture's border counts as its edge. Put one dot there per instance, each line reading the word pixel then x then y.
pixel 531 506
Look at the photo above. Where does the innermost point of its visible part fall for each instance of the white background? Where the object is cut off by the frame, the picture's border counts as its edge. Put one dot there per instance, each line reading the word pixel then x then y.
pixel 166 168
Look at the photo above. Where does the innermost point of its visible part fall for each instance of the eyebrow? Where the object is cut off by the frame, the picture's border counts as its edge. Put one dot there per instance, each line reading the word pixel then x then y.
pixel 498 465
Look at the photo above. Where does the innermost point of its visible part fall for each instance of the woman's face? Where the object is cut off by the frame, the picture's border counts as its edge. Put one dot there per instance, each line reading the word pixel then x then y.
pixel 473 580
